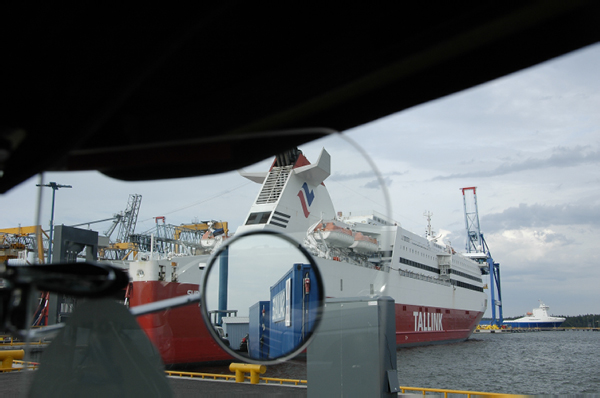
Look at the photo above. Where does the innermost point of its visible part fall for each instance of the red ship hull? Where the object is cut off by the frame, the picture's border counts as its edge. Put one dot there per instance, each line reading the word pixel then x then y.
pixel 183 339
pixel 179 334
pixel 419 325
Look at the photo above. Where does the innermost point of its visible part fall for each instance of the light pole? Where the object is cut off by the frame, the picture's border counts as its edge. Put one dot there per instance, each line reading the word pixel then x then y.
pixel 54 187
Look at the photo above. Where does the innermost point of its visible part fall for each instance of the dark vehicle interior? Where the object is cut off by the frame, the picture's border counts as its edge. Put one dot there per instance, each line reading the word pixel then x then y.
pixel 154 92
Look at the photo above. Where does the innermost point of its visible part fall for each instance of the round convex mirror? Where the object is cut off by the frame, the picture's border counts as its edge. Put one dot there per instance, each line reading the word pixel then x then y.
pixel 270 283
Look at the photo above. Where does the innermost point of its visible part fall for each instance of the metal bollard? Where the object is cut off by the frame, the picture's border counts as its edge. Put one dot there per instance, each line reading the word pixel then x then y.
pixel 7 357
pixel 241 368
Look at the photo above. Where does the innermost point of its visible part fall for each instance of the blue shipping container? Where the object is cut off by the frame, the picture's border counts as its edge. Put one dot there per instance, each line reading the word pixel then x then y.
pixel 279 326
pixel 294 308
pixel 258 330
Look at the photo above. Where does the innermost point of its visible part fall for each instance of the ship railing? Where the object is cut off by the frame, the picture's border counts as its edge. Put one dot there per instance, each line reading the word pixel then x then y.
pixel 304 383
pixel 422 277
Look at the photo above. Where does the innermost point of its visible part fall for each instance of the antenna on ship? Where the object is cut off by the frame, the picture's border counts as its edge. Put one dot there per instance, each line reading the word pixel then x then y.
pixel 429 232
pixel 478 250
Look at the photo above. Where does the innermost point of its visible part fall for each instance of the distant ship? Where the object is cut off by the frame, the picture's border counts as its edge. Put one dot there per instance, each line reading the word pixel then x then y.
pixel 539 318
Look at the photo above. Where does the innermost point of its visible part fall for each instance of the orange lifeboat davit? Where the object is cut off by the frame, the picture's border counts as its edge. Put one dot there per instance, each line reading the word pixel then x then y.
pixel 334 235
pixel 364 244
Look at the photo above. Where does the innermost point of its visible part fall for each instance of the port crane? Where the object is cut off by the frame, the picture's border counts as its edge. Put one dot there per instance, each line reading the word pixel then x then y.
pixel 477 249
pixel 23 240
pixel 185 239
pixel 125 222
pixel 179 239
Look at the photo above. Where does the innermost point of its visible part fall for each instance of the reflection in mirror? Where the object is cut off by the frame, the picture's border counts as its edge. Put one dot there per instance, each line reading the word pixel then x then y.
pixel 271 283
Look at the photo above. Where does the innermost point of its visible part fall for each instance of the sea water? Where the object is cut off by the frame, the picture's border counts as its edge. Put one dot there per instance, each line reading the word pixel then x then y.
pixel 535 363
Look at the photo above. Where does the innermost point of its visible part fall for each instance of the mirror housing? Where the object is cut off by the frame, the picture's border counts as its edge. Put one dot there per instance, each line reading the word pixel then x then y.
pixel 273 281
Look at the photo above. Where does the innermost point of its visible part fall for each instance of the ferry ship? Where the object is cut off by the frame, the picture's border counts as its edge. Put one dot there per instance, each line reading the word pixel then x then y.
pixel 539 318
pixel 439 295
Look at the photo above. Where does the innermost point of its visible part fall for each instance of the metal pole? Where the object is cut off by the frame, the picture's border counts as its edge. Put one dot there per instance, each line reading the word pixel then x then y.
pixel 54 187
pixel 492 288
pixel 223 282
pixel 500 315
pixel 51 226
pixel 468 245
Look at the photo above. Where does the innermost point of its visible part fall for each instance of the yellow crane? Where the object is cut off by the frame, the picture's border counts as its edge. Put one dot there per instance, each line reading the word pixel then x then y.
pixel 203 226
pixel 13 240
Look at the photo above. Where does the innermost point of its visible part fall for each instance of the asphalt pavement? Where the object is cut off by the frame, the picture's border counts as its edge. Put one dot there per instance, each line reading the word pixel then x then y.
pixel 16 384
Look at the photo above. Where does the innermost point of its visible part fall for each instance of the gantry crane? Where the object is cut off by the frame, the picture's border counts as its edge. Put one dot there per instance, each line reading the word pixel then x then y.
pixel 180 239
pixel 15 240
pixel 126 222
pixel 478 250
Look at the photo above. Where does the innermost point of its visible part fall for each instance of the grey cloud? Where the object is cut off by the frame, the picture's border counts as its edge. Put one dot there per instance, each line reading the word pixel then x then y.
pixel 538 216
pixel 345 177
pixel 457 239
pixel 561 157
pixel 363 174
pixel 550 237
pixel 374 184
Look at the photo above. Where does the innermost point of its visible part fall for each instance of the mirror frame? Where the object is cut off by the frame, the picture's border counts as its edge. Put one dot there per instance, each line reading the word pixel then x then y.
pixel 319 283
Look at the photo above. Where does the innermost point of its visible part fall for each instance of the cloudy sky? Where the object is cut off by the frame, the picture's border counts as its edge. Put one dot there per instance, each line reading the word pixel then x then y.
pixel 529 142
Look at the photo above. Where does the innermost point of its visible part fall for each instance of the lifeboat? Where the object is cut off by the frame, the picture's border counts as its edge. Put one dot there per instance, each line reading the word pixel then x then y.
pixel 334 235
pixel 364 244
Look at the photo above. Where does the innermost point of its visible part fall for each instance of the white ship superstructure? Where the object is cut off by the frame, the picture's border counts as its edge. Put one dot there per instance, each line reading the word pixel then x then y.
pixel 438 292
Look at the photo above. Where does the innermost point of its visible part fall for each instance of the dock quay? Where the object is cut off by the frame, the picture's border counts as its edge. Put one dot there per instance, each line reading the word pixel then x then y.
pixel 530 330
pixel 190 384
pixel 17 383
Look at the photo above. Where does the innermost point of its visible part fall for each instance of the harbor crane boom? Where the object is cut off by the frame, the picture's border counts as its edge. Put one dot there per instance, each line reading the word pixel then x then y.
pixel 129 219
pixel 478 250
pixel 125 221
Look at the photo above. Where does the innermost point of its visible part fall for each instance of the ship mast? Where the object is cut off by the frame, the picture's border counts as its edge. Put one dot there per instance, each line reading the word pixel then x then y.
pixel 429 232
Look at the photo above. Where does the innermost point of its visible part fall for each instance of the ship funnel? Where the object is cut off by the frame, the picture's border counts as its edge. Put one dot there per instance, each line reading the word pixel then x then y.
pixel 316 173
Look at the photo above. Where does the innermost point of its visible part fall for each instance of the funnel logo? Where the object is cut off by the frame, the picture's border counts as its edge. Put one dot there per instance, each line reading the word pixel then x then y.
pixel 306 196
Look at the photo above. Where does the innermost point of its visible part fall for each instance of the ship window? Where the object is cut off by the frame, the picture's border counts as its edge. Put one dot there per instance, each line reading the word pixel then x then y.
pixel 258 218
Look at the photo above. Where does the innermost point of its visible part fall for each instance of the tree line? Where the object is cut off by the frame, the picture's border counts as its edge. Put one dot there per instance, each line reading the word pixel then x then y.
pixel 581 321
pixel 578 321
